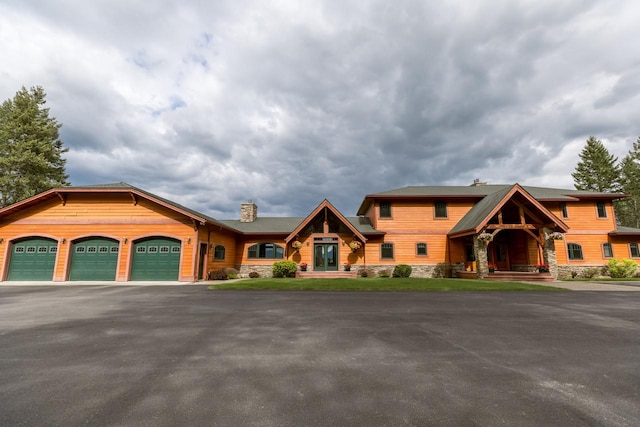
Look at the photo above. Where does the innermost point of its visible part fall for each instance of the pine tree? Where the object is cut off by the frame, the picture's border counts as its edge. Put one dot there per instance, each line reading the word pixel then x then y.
pixel 30 149
pixel 597 169
pixel 628 212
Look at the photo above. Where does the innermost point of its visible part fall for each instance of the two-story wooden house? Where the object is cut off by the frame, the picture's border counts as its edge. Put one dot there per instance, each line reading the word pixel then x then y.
pixel 119 232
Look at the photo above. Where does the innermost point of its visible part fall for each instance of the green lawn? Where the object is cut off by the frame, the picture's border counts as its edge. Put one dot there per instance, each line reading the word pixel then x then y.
pixel 378 284
pixel 603 279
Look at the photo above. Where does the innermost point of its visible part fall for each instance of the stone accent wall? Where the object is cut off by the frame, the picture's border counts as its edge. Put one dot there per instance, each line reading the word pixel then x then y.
pixel 262 270
pixel 580 271
pixel 248 212
pixel 417 270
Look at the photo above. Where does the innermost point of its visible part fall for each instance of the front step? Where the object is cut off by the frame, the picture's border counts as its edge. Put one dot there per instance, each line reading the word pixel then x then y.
pixel 325 274
pixel 520 276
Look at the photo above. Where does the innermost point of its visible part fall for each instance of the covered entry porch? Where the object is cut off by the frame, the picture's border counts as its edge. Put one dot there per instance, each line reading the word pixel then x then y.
pixel 510 232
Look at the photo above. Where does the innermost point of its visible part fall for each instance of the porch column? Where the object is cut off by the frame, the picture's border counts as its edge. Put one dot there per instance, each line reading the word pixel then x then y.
pixel 482 264
pixel 549 252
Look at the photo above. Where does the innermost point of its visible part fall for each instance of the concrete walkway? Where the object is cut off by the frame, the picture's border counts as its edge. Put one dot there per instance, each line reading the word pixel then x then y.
pixel 597 286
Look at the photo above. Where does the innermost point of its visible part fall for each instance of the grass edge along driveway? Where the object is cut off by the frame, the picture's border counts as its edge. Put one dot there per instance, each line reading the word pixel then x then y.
pixel 379 284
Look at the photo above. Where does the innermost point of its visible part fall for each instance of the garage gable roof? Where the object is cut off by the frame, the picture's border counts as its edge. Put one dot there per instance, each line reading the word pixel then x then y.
pixel 120 187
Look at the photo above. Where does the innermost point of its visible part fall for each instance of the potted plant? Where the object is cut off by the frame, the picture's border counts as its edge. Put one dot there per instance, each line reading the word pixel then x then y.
pixel 296 244
pixel 347 267
pixel 303 266
pixel 355 245
pixel 492 268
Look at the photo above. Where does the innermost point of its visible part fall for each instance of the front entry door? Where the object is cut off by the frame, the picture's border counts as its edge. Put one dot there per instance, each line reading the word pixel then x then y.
pixel 498 254
pixel 326 257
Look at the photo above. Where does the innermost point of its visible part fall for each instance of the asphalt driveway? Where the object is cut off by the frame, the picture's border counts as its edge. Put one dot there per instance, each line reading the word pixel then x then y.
pixel 185 355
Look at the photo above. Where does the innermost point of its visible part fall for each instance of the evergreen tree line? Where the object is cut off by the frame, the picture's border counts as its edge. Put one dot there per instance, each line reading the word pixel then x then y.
pixel 30 148
pixel 599 170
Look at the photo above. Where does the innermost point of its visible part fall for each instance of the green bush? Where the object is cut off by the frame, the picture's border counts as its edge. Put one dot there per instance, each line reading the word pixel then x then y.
pixel 590 273
pixel 402 270
pixel 384 273
pixel 284 269
pixel 219 274
pixel 442 269
pixel 622 267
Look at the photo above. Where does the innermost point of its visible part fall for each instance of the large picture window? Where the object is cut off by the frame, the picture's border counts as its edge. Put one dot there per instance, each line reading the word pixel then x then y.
pixel 266 250
pixel 575 251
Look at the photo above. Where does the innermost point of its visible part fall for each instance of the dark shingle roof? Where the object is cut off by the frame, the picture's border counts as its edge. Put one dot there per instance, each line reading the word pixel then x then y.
pixel 285 225
pixel 480 210
pixel 625 231
pixel 480 191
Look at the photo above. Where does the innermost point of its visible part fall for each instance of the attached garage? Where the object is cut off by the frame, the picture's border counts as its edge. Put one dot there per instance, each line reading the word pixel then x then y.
pixel 94 258
pixel 156 258
pixel 32 259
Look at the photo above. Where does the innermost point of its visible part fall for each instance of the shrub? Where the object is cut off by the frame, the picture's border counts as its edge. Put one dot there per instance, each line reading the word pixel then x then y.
pixel 442 270
pixel 219 274
pixel 402 270
pixel 232 273
pixel 589 273
pixel 363 272
pixel 254 274
pixel 622 267
pixel 284 269
pixel 384 273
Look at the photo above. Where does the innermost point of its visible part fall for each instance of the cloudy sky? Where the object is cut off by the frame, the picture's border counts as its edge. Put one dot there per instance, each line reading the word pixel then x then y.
pixel 211 103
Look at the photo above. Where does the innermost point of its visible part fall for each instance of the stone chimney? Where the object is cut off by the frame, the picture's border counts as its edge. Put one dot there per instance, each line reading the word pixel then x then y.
pixel 248 212
pixel 478 183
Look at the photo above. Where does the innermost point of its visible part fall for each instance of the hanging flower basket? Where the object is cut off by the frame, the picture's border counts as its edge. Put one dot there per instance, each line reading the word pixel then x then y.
pixel 296 244
pixel 485 237
pixel 556 236
pixel 355 245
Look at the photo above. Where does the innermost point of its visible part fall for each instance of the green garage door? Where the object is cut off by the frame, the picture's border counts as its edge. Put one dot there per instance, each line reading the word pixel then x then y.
pixel 156 259
pixel 32 259
pixel 94 259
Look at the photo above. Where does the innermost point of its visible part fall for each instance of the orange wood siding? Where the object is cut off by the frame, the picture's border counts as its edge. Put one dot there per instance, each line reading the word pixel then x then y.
pixel 107 215
pixel 226 239
pixel 583 216
pixel 414 222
